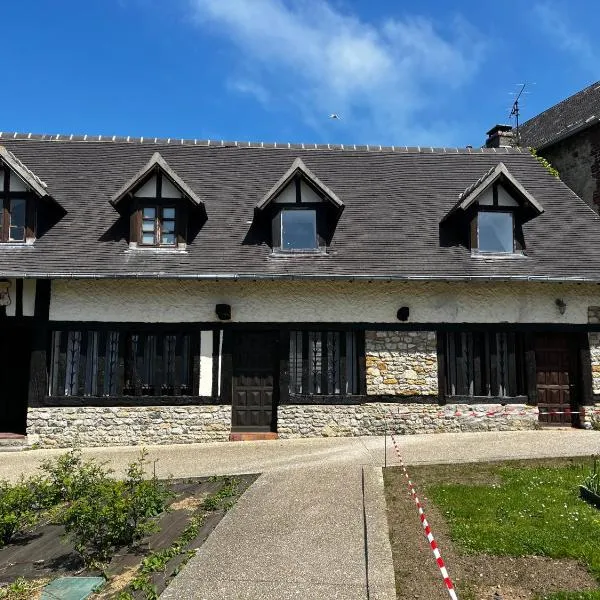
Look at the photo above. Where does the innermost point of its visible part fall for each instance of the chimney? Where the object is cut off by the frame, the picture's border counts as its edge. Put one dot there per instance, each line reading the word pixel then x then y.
pixel 500 136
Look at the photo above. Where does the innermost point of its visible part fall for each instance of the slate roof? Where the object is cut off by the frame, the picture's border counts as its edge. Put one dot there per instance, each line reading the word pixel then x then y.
pixel 579 111
pixel 394 199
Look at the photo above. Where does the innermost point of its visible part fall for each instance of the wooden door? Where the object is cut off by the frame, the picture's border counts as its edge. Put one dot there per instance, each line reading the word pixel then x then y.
pixel 254 375
pixel 556 377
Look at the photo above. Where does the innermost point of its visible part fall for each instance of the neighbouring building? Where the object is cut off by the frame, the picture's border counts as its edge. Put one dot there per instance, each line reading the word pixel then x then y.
pixel 161 291
pixel 568 136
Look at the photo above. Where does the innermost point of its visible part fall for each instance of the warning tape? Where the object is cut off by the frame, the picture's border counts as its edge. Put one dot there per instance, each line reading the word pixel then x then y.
pixel 426 527
pixel 508 412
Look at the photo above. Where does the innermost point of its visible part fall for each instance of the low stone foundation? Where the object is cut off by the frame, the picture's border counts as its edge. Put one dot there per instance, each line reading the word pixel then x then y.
pixel 60 427
pixel 590 417
pixel 373 418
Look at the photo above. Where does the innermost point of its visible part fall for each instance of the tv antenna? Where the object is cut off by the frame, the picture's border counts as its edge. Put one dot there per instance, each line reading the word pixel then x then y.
pixel 515 110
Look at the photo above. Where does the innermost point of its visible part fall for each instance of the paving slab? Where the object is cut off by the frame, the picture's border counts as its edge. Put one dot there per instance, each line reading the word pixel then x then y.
pixel 306 533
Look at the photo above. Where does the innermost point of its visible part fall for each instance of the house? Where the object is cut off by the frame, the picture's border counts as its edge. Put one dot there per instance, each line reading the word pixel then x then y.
pixel 568 136
pixel 160 291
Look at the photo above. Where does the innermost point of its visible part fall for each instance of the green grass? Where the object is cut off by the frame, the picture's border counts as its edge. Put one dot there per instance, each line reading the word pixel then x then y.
pixel 530 511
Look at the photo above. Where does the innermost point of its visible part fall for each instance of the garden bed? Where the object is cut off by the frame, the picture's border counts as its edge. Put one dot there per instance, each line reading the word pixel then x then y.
pixel 140 570
pixel 589 496
pixel 516 529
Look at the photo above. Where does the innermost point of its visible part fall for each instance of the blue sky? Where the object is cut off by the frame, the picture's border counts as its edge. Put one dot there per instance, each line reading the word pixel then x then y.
pixel 399 72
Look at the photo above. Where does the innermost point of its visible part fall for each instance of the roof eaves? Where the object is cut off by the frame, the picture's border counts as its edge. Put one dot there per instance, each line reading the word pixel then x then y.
pixel 298 166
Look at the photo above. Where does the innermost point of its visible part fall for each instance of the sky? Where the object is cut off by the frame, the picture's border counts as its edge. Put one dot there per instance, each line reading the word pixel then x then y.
pixel 396 72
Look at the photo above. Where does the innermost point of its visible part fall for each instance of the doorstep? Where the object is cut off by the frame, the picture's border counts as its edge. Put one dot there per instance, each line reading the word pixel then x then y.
pixel 252 436
pixel 12 441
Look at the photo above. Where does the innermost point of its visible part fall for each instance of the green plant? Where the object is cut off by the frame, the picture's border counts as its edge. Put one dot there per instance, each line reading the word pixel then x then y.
pixel 22 589
pixel 17 509
pixel 228 490
pixel 592 480
pixel 107 514
pixel 69 476
pixel 546 164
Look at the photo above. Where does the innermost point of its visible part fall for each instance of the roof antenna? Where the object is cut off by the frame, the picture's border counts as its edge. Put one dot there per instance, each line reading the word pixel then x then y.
pixel 515 111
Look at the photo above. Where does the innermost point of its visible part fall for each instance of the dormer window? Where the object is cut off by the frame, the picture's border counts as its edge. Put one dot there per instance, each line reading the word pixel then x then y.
pixel 19 191
pixel 158 202
pixel 495 231
pixel 298 229
pixel 302 211
pixel 489 215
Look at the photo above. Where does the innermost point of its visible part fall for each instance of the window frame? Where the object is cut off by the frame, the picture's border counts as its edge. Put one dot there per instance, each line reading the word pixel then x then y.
pixel 97 362
pixel 495 209
pixel 5 208
pixel 159 205
pixel 307 376
pixel 293 208
pixel 495 359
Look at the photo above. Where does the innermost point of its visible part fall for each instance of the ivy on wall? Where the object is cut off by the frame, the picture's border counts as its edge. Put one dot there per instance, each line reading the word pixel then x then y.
pixel 546 164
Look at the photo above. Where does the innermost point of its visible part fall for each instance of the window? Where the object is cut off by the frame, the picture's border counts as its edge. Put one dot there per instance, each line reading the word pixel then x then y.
pixel 298 229
pixel 495 231
pixel 119 363
pixel 13 208
pixel 323 362
pixel 158 226
pixel 484 364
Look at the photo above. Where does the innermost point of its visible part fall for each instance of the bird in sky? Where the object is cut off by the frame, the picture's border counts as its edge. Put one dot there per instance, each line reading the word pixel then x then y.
pixel 334 116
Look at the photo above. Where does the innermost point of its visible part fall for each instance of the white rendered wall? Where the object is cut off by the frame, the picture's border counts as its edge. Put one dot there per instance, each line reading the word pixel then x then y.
pixel 272 301
pixel 28 298
pixel 206 363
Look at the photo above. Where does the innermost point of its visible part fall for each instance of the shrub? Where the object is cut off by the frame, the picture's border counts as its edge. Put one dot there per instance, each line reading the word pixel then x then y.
pixel 109 514
pixel 17 510
pixel 70 477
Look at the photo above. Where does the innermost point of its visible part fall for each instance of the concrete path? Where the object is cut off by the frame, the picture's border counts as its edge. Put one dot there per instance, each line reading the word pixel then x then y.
pixel 314 532
pixel 282 455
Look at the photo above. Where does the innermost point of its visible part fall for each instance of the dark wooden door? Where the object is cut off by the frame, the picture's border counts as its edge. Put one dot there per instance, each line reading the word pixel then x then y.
pixel 15 350
pixel 254 385
pixel 556 377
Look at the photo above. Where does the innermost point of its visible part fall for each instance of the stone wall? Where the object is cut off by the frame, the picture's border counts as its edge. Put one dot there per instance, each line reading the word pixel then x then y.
pixel 372 419
pixel 594 339
pixel 577 159
pixel 119 426
pixel 401 363
pixel 590 416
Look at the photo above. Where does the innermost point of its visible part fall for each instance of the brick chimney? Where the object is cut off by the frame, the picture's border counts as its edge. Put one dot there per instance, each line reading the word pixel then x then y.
pixel 500 136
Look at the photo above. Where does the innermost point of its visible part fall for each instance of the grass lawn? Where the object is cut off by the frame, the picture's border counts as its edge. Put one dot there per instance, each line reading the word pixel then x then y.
pixel 519 509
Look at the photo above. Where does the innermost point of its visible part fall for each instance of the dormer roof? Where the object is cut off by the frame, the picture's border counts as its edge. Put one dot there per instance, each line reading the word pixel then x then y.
pixel 497 174
pixel 28 176
pixel 298 168
pixel 156 162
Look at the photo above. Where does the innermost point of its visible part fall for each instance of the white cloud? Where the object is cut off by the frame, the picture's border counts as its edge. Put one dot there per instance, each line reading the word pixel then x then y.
pixel 555 23
pixel 314 60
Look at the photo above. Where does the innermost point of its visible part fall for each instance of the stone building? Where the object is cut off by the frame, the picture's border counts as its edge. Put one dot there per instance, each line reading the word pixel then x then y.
pixel 160 291
pixel 568 136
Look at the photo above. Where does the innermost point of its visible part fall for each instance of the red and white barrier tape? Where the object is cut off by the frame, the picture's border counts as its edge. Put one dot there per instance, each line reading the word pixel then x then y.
pixel 426 527
pixel 508 413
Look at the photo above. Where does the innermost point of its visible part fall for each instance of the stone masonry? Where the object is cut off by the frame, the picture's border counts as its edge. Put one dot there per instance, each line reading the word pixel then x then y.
pixel 373 418
pixel 401 363
pixel 594 338
pixel 62 427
